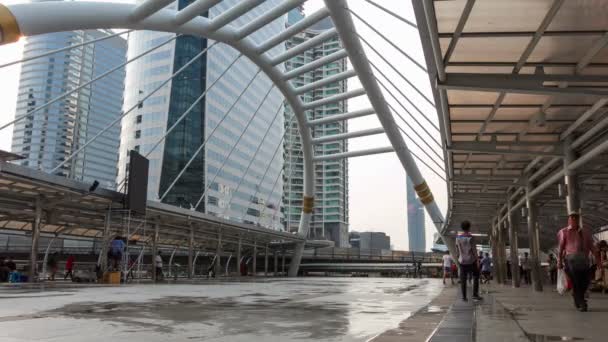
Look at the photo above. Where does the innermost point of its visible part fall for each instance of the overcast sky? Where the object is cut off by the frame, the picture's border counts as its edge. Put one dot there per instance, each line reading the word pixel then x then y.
pixel 377 183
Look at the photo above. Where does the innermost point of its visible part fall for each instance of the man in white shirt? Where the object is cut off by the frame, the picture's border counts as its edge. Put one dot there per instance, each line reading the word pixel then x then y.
pixel 158 263
pixel 447 267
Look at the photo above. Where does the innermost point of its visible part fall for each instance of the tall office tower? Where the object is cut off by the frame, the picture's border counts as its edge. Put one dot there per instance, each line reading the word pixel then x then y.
pixel 214 170
pixel 48 136
pixel 330 216
pixel 415 220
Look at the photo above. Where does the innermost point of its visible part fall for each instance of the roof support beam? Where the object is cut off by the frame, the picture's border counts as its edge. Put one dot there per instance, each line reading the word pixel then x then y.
pixel 342 117
pixel 352 154
pixel 232 13
pixel 268 17
pixel 349 135
pixel 492 148
pixel 584 117
pixel 525 84
pixel 147 8
pixel 325 81
pixel 193 10
pixel 292 30
pixel 335 98
pixel 316 64
pixel 302 47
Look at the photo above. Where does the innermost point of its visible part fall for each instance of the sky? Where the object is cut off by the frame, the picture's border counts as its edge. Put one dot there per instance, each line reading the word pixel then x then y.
pixel 377 191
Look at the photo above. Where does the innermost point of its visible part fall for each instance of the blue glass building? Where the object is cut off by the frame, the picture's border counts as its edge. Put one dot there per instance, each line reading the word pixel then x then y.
pixel 257 199
pixel 48 136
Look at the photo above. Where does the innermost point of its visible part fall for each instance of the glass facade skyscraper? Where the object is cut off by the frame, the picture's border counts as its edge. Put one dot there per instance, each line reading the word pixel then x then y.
pixel 215 168
pixel 47 137
pixel 415 220
pixel 330 215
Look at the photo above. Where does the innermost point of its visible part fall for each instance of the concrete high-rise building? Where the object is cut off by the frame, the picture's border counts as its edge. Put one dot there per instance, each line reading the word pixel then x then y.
pixel 46 137
pixel 330 216
pixel 374 241
pixel 415 220
pixel 253 201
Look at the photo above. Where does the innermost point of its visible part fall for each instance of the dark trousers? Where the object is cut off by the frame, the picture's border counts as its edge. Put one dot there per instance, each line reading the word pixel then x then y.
pixel 579 275
pixel 526 274
pixel 68 273
pixel 553 275
pixel 465 270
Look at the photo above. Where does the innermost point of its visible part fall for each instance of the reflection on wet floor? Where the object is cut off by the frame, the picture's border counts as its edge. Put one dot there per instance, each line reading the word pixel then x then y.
pixel 546 338
pixel 317 309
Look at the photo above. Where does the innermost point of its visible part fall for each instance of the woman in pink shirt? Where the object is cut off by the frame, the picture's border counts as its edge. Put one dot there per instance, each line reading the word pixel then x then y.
pixel 575 247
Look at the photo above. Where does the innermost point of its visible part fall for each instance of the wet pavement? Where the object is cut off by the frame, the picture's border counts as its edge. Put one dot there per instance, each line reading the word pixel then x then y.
pixel 510 314
pixel 312 309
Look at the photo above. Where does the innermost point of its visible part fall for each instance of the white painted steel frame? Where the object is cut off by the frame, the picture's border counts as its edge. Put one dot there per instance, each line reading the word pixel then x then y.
pixel 343 21
pixel 48 17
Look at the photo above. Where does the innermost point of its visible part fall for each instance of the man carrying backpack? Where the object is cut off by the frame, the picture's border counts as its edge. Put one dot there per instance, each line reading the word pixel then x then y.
pixel 467 258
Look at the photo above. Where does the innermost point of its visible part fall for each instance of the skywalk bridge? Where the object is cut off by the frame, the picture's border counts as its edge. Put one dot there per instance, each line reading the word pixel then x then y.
pixel 519 88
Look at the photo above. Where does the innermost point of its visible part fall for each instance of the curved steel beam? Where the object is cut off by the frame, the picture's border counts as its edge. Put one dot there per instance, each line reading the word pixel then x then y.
pixel 46 17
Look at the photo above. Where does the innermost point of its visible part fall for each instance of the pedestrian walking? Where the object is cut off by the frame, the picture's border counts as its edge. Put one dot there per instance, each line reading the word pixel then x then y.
pixel 158 263
pixel 525 268
pixel 552 269
pixel 467 258
pixel 51 263
pixel 117 247
pixel 447 267
pixel 486 269
pixel 69 268
pixel 575 248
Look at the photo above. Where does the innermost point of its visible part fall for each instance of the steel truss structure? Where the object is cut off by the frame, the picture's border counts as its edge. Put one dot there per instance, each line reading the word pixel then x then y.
pixel 521 88
pixel 46 17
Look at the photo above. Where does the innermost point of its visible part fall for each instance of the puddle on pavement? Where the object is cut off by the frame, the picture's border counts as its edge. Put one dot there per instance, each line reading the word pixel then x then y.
pixel 273 317
pixel 547 338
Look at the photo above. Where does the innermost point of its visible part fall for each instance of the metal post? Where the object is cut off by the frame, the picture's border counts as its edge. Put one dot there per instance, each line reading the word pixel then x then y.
pixel 495 257
pixel 276 263
pixel 191 253
pixel 238 256
pixel 36 225
pixel 103 252
pixel 283 262
pixel 513 227
pixel 534 244
pixel 266 262
pixel 255 258
pixel 218 254
pixel 502 252
pixel 570 178
pixel 154 249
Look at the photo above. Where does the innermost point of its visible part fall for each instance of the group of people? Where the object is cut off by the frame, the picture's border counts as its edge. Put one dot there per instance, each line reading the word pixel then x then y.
pixel 8 270
pixel 578 256
pixel 52 262
pixel 484 265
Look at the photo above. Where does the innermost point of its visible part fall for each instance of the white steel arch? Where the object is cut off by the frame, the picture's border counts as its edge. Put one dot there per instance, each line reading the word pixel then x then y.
pixel 46 17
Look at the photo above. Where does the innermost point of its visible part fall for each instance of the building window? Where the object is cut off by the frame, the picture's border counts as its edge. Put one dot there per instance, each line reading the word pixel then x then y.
pixel 138 134
pixel 138 119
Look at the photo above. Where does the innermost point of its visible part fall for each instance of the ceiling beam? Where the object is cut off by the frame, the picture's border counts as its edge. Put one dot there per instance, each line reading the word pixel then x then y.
pixel 525 84
pixel 493 148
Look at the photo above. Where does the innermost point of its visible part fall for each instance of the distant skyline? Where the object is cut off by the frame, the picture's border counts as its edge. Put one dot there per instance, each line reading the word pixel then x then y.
pixel 377 189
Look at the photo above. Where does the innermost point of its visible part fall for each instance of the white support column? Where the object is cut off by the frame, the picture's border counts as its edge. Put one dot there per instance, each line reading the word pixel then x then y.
pixel 191 252
pixel 573 203
pixel 154 250
pixel 255 259
pixel 36 226
pixel 266 261
pixel 513 245
pixel 102 261
pixel 218 254
pixel 533 236
pixel 238 256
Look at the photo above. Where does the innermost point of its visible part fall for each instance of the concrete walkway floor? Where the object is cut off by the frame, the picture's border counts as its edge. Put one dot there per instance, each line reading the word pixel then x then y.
pixel 509 314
